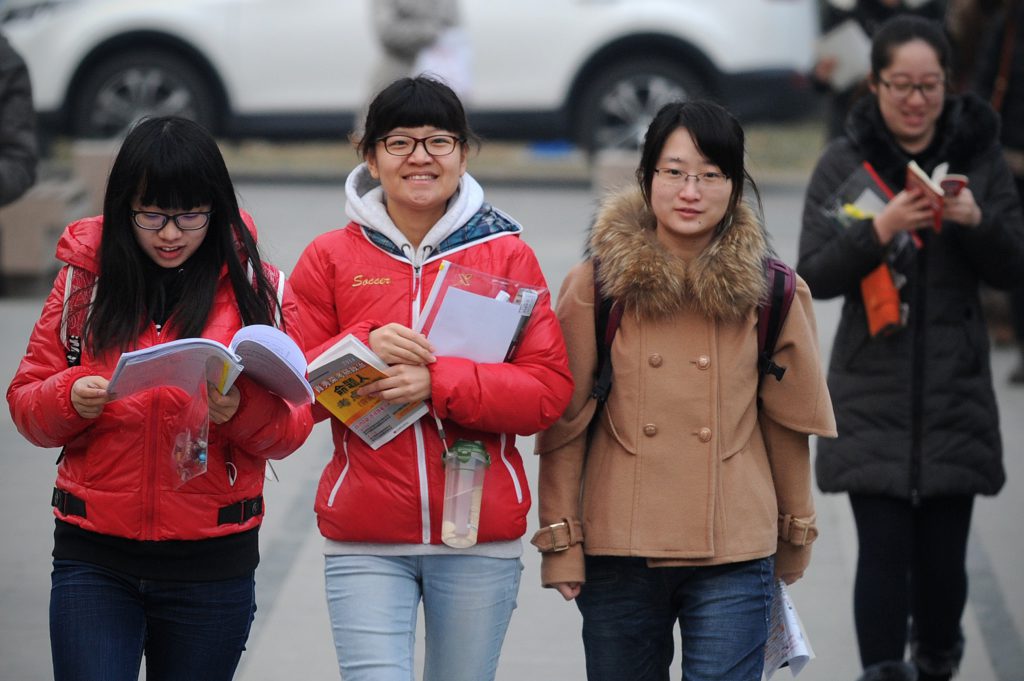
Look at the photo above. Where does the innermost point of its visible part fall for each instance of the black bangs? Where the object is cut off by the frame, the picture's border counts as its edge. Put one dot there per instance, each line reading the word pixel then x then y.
pixel 719 138
pixel 173 177
pixel 412 103
pixel 714 131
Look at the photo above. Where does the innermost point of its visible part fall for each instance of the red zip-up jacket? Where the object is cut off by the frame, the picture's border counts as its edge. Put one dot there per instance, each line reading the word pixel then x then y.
pixel 354 280
pixel 119 464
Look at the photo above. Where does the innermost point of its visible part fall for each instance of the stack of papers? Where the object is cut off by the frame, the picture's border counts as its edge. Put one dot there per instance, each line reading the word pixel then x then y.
pixel 476 315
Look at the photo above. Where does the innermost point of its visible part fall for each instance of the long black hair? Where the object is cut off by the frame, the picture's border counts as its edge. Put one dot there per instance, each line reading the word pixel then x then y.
pixel 172 163
pixel 717 135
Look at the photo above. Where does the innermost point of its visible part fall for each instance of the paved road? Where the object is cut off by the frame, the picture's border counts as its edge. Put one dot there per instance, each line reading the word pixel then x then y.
pixel 291 639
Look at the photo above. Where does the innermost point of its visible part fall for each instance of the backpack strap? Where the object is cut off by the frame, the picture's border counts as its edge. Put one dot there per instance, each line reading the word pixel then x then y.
pixel 73 314
pixel 771 315
pixel 607 317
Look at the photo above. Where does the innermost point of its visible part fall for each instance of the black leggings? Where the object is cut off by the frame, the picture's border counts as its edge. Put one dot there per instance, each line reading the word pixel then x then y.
pixel 911 565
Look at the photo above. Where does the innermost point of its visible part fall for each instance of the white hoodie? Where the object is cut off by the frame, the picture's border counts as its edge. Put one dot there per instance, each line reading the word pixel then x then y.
pixel 365 206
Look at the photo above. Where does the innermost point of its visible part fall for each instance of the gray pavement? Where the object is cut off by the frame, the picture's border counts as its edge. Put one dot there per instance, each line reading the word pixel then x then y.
pixel 291 637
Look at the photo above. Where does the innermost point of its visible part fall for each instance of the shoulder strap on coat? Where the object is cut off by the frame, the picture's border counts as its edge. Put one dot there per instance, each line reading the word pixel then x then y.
pixel 607 317
pixel 73 313
pixel 772 314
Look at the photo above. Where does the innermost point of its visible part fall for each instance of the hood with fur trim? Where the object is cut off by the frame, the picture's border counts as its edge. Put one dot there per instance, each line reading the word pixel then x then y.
pixel 724 282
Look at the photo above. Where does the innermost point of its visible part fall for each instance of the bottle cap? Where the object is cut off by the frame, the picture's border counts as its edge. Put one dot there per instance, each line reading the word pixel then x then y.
pixel 464 450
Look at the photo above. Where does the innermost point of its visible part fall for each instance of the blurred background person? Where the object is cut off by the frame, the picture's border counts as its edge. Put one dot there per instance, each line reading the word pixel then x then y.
pixel 18 144
pixel 916 410
pixel 1000 79
pixel 417 36
pixel 19 151
pixel 869 15
pixel 969 25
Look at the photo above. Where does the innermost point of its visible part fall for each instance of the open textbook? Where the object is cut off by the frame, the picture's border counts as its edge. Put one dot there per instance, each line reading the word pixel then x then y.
pixel 476 315
pixel 787 644
pixel 936 187
pixel 338 372
pixel 266 354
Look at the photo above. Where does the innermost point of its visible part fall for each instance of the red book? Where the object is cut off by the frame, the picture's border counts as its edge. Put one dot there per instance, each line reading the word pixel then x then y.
pixel 918 179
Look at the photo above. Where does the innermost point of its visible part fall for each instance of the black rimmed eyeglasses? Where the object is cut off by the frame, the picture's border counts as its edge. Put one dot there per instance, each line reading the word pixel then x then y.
pixel 902 89
pixel 405 145
pixel 187 222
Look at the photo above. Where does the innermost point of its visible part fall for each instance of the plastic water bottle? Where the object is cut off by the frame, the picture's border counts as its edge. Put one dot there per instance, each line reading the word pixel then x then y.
pixel 465 465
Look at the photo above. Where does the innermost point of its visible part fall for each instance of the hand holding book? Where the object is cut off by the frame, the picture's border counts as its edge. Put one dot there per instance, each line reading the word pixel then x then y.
pixel 940 189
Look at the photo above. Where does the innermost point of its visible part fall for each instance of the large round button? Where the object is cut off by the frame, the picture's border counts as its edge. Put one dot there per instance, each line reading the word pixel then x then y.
pixel 703 362
pixel 704 434
pixel 655 360
pixel 650 430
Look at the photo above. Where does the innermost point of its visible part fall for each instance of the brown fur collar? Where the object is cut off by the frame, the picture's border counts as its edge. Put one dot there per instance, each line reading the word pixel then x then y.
pixel 724 282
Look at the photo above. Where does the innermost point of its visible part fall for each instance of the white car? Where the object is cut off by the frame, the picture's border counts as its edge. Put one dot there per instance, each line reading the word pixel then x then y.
pixel 593 71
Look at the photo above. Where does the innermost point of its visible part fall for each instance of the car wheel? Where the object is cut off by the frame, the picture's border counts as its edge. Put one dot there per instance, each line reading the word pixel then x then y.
pixel 619 104
pixel 124 88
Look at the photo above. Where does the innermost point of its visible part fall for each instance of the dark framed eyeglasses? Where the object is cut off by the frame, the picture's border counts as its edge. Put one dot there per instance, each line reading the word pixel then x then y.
pixel 902 89
pixel 405 145
pixel 187 222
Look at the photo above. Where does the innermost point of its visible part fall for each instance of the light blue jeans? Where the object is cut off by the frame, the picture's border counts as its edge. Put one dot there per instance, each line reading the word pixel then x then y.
pixel 467 604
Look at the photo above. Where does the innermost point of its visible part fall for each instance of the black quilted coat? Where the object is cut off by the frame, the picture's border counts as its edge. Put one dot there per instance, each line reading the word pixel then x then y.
pixel 916 411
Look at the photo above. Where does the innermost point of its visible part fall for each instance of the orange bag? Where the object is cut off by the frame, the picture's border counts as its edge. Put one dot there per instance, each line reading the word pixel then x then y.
pixel 881 302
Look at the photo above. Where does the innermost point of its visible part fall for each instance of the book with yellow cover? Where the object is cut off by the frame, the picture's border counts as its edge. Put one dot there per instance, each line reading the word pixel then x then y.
pixel 338 372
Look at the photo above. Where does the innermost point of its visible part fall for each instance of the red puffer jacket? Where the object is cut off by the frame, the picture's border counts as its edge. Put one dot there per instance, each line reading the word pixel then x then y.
pixel 354 280
pixel 119 464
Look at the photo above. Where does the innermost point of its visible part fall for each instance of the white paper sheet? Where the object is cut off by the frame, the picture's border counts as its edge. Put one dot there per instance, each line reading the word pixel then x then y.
pixel 474 327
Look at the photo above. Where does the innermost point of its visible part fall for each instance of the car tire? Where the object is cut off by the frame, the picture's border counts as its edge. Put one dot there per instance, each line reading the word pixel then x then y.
pixel 618 105
pixel 125 87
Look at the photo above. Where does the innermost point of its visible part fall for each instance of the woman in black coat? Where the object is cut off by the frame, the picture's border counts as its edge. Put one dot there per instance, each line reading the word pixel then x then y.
pixel 915 407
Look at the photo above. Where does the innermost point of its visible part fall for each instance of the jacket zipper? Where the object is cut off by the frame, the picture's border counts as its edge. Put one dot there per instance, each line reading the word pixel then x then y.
pixel 417 280
pixel 152 454
pixel 918 348
pixel 421 465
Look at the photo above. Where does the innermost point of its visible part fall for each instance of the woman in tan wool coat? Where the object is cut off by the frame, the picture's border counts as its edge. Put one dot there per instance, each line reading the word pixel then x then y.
pixel 689 498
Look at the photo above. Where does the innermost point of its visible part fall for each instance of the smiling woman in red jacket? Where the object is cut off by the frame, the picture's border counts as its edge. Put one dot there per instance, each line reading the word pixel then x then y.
pixel 144 563
pixel 412 205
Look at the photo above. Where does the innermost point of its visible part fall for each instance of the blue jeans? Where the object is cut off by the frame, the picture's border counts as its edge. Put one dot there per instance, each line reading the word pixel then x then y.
pixel 629 611
pixel 102 621
pixel 467 604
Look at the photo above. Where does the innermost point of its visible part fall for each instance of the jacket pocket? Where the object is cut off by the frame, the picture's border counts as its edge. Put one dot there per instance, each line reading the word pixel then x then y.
pixel 625 434
pixel 517 484
pixel 336 487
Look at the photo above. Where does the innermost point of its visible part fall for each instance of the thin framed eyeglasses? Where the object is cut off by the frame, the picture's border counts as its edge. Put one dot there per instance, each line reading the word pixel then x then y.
pixel 405 145
pixel 187 222
pixel 902 89
pixel 712 178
